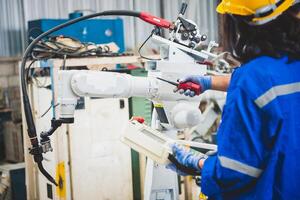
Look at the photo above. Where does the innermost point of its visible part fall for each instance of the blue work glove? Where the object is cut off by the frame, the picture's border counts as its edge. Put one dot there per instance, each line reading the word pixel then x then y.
pixel 203 81
pixel 186 158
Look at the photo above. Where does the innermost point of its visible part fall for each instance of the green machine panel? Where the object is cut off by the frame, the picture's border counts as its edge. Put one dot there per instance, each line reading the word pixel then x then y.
pixel 138 107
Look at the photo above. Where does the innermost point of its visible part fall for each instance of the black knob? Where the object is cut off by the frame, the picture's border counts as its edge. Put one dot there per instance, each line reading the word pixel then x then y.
pixel 185 36
pixel 197 39
pixel 192 45
pixel 194 33
pixel 203 37
pixel 183 8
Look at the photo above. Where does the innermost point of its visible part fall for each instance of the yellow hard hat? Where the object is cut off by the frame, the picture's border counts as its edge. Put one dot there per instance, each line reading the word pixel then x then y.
pixel 260 11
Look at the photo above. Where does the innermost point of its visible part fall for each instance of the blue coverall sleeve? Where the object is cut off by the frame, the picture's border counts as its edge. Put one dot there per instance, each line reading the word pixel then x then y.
pixel 239 160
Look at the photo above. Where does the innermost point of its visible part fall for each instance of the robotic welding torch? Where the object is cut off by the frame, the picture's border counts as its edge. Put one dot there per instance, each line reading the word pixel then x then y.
pixel 42 145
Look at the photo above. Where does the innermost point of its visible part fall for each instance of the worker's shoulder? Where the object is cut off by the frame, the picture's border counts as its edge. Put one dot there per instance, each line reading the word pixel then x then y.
pixel 257 75
pixel 264 68
pixel 260 66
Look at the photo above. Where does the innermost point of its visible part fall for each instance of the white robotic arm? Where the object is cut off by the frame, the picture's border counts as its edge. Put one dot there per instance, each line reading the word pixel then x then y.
pixel 79 83
pixel 179 59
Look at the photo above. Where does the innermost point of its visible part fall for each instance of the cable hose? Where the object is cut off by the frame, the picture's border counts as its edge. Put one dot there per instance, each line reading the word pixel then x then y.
pixel 45 173
pixel 26 103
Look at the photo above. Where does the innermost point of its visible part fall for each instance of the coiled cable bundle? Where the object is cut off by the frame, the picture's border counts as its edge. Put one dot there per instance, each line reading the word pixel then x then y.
pixel 61 46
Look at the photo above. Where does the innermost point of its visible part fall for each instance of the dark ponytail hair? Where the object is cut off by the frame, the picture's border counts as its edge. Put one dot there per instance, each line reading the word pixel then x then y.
pixel 276 38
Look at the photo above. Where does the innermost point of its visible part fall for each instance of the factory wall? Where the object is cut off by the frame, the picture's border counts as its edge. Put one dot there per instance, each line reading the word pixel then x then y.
pixel 10 111
pixel 12 27
pixel 13 31
pixel 9 87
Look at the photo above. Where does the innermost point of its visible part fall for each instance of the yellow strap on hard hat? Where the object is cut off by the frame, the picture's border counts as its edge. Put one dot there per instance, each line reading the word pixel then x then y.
pixel 278 11
pixel 255 8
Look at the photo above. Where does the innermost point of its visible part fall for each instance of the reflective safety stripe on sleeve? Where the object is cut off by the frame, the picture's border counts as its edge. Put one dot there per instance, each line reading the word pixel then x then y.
pixel 276 91
pixel 239 167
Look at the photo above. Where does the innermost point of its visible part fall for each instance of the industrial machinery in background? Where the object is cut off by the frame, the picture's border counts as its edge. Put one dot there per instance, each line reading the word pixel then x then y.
pixel 97 31
pixel 173 114
pixel 96 37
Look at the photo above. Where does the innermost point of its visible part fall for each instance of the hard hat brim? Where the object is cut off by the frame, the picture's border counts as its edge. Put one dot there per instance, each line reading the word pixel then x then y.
pixel 220 8
pixel 225 8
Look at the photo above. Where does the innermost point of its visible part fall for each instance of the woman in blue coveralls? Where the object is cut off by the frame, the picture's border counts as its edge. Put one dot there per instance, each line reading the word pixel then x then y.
pixel 259 136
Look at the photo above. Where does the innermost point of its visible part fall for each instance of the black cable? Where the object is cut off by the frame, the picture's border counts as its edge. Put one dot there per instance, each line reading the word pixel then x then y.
pixel 48 109
pixel 70 48
pixel 45 173
pixel 28 70
pixel 139 51
pixel 26 103
pixel 46 51
pixel 39 84
pixel 50 48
